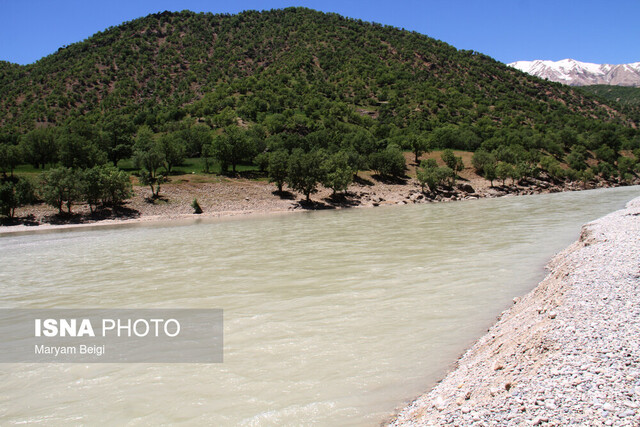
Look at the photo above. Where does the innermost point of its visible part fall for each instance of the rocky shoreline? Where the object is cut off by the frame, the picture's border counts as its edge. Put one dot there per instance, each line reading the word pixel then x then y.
pixel 241 197
pixel 567 353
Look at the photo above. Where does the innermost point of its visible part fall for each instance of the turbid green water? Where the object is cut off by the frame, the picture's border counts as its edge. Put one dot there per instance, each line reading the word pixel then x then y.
pixel 331 318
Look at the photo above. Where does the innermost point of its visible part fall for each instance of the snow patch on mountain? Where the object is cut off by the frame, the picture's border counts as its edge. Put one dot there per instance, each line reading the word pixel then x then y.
pixel 576 73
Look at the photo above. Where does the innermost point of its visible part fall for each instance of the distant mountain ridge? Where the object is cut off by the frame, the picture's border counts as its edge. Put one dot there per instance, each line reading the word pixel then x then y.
pixel 576 73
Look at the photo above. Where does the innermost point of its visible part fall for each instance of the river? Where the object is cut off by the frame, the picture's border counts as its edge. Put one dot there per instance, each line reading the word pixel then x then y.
pixel 330 318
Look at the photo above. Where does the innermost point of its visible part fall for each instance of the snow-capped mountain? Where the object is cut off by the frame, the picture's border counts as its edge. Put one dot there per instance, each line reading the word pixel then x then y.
pixel 576 73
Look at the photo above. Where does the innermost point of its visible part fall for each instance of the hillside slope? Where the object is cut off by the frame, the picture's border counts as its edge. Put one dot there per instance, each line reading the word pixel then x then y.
pixel 255 65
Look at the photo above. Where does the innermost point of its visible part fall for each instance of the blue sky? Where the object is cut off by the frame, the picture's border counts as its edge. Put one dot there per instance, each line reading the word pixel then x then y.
pixel 507 30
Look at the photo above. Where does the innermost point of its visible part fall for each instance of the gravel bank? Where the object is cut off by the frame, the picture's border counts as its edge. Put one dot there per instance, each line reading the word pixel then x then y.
pixel 568 353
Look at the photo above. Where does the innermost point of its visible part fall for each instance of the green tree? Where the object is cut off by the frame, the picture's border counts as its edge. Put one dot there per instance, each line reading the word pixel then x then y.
pixel 418 145
pixel 149 157
pixel 116 138
pixel 452 161
pixel 278 168
pixel 625 165
pixel 577 158
pixel 388 163
pixel 40 147
pixel 481 159
pixel 503 171
pixel 61 186
pixel 14 193
pixel 337 172
pixel 427 175
pixel 10 157
pixel 173 150
pixel 490 173
pixel 305 171
pixel 231 147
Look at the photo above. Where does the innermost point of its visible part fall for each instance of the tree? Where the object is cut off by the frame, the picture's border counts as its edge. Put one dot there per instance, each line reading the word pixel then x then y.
pixel 61 185
pixel 207 154
pixel 503 171
pixel 116 138
pixel 454 162
pixel 577 158
pixel 39 147
pixel 231 147
pixel 278 168
pixel 337 172
pixel 305 171
pixel 105 184
pixel 15 193
pixel 173 150
pixel 76 152
pixel 427 175
pixel 389 162
pixel 625 165
pixel 418 146
pixel 430 175
pixel 490 173
pixel 481 159
pixel 10 157
pixel 149 157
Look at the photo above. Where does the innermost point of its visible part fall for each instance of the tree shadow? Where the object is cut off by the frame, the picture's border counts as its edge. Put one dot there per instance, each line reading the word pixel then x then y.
pixel 397 180
pixel 363 181
pixel 284 194
pixel 29 220
pixel 343 200
pixel 156 199
pixel 313 205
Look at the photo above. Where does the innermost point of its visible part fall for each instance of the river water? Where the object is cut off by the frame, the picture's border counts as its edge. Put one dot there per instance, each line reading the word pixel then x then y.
pixel 330 318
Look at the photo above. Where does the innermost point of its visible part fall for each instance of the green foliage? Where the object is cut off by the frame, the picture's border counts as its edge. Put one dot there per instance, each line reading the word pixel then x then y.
pixel 577 158
pixel 10 158
pixel 337 172
pixel 232 147
pixel 196 207
pixel 173 150
pixel 388 163
pixel 278 168
pixel 418 146
pixel 305 171
pixel 606 170
pixel 104 184
pixel 620 94
pixel 490 172
pixel 503 171
pixel 149 157
pixel 481 159
pixel 14 193
pixel 606 154
pixel 452 161
pixel 61 186
pixel 625 166
pixel 39 147
pixel 432 176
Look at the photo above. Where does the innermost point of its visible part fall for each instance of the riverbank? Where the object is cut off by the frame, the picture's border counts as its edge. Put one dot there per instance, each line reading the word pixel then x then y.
pixel 229 197
pixel 566 353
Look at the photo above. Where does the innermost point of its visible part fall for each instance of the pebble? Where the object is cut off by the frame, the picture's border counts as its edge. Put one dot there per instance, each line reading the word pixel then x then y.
pixel 572 345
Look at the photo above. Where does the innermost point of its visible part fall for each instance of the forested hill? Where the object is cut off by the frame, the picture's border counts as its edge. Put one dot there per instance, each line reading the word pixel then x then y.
pixel 316 69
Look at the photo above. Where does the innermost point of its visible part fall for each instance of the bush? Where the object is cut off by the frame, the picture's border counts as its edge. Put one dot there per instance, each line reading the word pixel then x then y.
pixel 481 159
pixel 60 186
pixel 196 207
pixel 389 162
pixel 304 171
pixel 13 194
pixel 337 172
pixel 278 168
pixel 430 175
